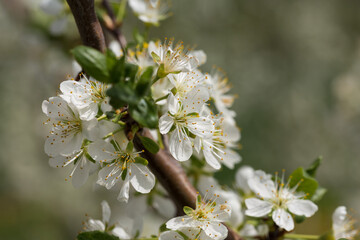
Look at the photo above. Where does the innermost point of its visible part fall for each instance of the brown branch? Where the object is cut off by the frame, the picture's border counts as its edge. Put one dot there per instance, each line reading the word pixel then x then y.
pixel 88 24
pixel 166 169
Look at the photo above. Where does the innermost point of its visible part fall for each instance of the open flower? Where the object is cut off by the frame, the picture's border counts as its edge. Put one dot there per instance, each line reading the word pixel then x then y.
pixel 68 130
pixel 171 59
pixel 245 173
pixel 207 216
pixel 140 57
pixel 185 234
pixel 218 147
pixel 343 224
pixel 104 225
pixel 184 117
pixel 87 95
pixel 122 167
pixel 278 199
pixel 220 88
pixel 150 11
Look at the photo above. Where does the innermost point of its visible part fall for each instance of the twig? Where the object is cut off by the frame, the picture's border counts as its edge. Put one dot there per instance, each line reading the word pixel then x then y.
pixel 113 27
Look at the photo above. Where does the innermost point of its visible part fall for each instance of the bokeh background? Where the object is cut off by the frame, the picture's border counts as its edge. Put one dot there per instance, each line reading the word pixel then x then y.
pixel 295 66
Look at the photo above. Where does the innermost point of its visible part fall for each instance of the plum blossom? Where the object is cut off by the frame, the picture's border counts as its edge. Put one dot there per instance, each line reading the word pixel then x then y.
pixel 185 234
pixel 150 11
pixel 280 200
pixel 122 167
pixel 218 147
pixel 140 57
pixel 245 173
pixel 343 224
pixel 105 226
pixel 220 88
pixel 87 95
pixel 207 216
pixel 184 116
pixel 68 130
pixel 171 59
pixel 208 185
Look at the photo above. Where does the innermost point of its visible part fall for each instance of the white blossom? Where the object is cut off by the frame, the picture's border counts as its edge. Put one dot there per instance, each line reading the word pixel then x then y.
pixel 249 230
pixel 140 57
pixel 150 11
pixel 68 130
pixel 200 55
pixel 343 224
pixel 280 200
pixel 185 234
pixel 220 88
pixel 105 225
pixel 184 116
pixel 207 216
pixel 171 59
pixel 245 173
pixel 122 167
pixel 87 95
pixel 208 185
pixel 218 147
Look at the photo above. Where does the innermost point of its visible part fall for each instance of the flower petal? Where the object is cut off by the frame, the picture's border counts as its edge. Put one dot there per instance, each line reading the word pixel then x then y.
pixel 283 219
pixel 302 207
pixel 165 123
pixel 257 207
pixel 179 222
pixel 170 235
pixel 180 145
pixel 106 211
pixel 216 231
pixel 141 178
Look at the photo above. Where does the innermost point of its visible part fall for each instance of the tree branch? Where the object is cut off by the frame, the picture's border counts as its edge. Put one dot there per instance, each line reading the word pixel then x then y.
pixel 88 24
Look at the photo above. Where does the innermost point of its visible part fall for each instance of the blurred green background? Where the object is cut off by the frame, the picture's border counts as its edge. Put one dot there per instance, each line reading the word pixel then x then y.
pixel 295 66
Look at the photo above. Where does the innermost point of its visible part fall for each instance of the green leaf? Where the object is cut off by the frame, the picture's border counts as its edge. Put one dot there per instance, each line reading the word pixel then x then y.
pixel 121 94
pixel 130 147
pixel 96 235
pixel 305 182
pixel 149 144
pixel 188 210
pixel 145 113
pixel 93 62
pixel 319 194
pixel 141 160
pixel 130 72
pixel 117 70
pixel 314 166
pixel 163 228
pixel 299 219
pixel 144 83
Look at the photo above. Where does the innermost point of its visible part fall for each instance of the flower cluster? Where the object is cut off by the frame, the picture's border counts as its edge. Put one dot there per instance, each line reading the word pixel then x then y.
pixel 81 136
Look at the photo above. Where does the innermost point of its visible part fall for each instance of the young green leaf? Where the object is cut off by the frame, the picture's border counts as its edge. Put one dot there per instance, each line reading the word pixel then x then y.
pixel 144 83
pixel 93 62
pixel 130 147
pixel 117 71
pixel 307 184
pixel 314 166
pixel 145 113
pixel 121 94
pixel 149 144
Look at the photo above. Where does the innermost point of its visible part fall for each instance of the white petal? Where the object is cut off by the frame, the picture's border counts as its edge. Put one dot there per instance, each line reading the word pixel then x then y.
pixel 339 216
pixel 124 192
pixel 211 159
pixel 141 178
pixel 94 225
pixel 165 123
pixel 200 55
pixel 58 161
pixel 257 207
pixel 180 145
pixel 58 144
pixel 164 206
pixel 263 189
pixel 230 158
pixel 81 172
pixel 283 219
pixel 200 126
pixel 89 112
pixel 57 108
pixel 195 99
pixel 121 233
pixel 302 207
pixel 242 175
pixel 102 151
pixel 173 104
pixel 106 211
pixel 170 235
pixel 217 231
pixel 179 222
